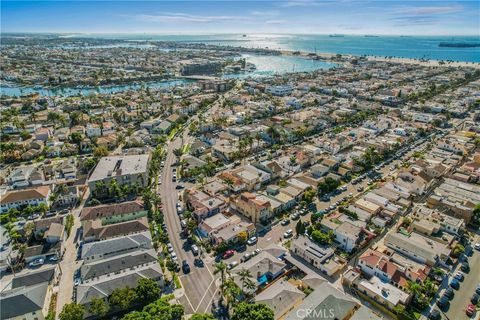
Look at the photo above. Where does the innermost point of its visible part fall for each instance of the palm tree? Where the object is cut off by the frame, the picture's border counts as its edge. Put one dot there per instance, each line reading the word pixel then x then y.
pixel 414 288
pixel 244 275
pixel 221 268
pixel 250 286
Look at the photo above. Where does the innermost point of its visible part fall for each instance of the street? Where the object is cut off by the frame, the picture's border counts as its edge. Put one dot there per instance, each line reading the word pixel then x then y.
pixel 69 262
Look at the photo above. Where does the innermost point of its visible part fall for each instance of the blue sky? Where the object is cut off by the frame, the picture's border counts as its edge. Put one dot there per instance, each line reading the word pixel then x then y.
pixel 203 17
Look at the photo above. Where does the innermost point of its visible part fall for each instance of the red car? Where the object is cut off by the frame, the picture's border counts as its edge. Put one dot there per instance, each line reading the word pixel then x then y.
pixel 228 254
pixel 470 310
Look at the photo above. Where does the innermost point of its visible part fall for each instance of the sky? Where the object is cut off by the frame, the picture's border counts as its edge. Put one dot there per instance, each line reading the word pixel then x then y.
pixel 420 17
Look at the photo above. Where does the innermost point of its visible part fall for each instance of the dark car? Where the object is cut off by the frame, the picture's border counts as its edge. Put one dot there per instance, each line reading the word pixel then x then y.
pixel 449 293
pixel 435 315
pixel 465 268
pixel 455 284
pixel 179 186
pixel 198 262
pixel 185 266
pixel 475 298
pixel 443 303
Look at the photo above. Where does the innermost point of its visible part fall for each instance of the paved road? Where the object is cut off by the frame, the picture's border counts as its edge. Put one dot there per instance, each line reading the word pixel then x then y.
pixel 462 297
pixel 200 285
pixel 68 264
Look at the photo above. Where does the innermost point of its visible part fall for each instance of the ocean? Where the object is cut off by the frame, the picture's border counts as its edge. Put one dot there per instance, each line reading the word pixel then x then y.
pixel 426 47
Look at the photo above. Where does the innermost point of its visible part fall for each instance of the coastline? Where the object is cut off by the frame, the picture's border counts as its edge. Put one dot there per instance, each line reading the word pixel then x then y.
pixel 427 63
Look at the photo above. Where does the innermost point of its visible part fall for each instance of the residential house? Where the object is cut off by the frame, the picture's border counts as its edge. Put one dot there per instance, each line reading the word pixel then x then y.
pixel 321 257
pixel 94 230
pixel 125 169
pixel 114 213
pixel 26 197
pixel 251 207
pixel 105 249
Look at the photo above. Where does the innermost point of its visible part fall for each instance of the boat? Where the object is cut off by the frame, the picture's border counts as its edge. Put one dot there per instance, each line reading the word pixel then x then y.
pixel 336 35
pixel 370 36
pixel 244 35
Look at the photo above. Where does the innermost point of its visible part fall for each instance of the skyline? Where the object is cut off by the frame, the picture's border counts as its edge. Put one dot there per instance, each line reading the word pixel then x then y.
pixel 233 17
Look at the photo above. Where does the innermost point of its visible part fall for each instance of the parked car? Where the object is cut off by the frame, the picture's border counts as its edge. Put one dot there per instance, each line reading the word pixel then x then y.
pixel 295 216
pixel 477 246
pixel 232 265
pixel 442 303
pixel 470 310
pixel 53 258
pixel 195 250
pixel 174 256
pixel 475 298
pixel 252 241
pixel 228 254
pixel 246 257
pixel 459 276
pixel 36 263
pixel 435 315
pixel 169 247
pixel 455 284
pixel 185 266
pixel 449 293
pixel 288 233
pixel 285 222
pixel 465 268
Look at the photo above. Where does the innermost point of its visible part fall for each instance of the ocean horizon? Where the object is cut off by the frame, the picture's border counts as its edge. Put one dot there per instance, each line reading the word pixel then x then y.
pixel 406 46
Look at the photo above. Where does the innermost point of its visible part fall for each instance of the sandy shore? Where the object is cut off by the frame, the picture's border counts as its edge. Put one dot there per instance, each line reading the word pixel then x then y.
pixel 429 63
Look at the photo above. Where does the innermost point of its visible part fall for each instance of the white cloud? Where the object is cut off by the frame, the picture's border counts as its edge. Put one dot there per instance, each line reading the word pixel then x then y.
pixel 183 17
pixel 419 11
pixel 278 21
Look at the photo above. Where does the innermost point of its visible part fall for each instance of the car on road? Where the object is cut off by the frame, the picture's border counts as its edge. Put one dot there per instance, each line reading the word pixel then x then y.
pixel 198 262
pixel 228 254
pixel 185 266
pixel 288 233
pixel 33 216
pixel 195 250
pixel 36 263
pixel 470 310
pixel 252 241
pixel 285 222
pixel 255 252
pixel 232 265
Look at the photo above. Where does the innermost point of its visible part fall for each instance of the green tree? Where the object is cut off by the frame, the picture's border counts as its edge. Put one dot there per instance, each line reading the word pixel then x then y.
pixel 69 220
pixel 122 298
pixel 147 290
pixel 322 237
pixel 248 311
pixel 72 311
pixel 300 228
pixel 98 307
pixel 100 151
pixel 202 316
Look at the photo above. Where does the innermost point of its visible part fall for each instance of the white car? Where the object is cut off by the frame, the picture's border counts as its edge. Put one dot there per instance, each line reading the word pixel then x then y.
pixel 252 241
pixel 169 247
pixel 477 246
pixel 232 265
pixel 288 233
pixel 174 256
pixel 36 262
